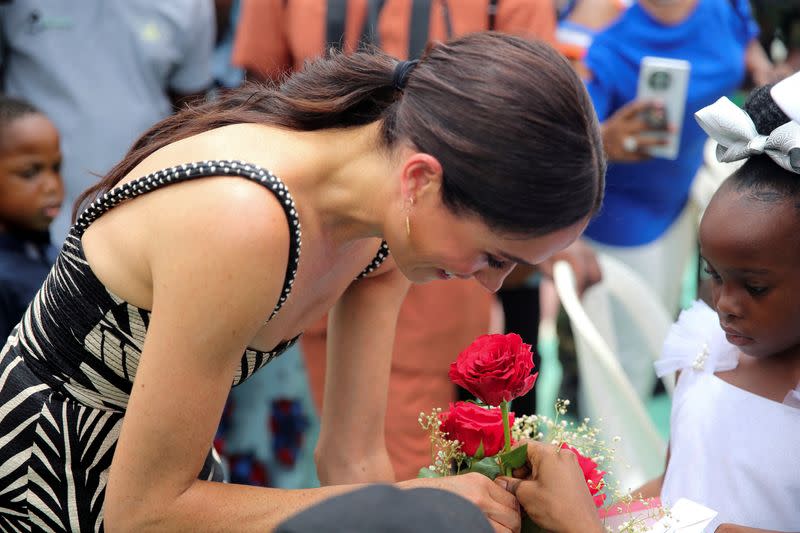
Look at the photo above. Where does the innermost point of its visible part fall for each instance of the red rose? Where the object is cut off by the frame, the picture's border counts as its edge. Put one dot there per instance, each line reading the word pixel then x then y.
pixel 471 424
pixel 593 476
pixel 495 368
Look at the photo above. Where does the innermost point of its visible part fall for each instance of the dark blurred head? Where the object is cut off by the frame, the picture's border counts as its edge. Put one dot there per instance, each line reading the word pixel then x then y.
pixel 31 191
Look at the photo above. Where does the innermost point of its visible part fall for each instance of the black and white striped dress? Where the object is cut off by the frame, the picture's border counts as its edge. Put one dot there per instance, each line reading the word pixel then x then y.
pixel 66 373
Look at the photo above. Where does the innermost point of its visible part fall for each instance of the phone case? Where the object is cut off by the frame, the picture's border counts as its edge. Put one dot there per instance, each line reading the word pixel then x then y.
pixel 667 81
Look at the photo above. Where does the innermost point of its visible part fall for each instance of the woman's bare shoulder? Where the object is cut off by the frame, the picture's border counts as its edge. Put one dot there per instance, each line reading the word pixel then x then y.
pixel 244 143
pixel 226 198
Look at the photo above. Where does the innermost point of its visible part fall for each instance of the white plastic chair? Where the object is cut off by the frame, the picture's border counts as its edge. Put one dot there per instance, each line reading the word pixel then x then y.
pixel 709 177
pixel 608 396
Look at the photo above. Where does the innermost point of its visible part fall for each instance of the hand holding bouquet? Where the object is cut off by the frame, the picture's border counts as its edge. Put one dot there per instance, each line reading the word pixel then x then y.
pixel 476 437
pixel 480 437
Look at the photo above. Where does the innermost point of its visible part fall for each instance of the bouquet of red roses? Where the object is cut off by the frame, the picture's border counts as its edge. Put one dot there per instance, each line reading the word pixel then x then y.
pixel 478 436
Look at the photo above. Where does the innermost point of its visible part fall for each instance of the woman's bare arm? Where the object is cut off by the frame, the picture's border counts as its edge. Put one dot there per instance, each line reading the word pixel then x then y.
pixel 217 273
pixel 361 330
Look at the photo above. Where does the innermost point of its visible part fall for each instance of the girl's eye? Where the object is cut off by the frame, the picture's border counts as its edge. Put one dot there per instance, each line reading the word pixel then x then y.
pixel 493 262
pixel 756 291
pixel 711 272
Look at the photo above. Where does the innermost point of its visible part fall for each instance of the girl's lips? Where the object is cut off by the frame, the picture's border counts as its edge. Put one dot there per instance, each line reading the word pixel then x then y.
pixel 736 338
pixel 444 274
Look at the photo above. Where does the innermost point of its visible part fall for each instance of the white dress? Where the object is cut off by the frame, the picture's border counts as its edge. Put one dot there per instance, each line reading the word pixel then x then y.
pixel 731 450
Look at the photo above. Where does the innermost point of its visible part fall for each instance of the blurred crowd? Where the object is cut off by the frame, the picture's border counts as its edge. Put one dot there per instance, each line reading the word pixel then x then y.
pixel 80 83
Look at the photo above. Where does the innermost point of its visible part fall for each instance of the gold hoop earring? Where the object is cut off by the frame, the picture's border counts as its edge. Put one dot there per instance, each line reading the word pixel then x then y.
pixel 408 212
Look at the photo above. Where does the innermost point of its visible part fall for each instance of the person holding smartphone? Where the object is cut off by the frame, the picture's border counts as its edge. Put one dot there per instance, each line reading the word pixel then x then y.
pixel 645 221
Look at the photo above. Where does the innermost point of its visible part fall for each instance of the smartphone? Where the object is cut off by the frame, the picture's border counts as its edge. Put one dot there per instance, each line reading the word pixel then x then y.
pixel 665 81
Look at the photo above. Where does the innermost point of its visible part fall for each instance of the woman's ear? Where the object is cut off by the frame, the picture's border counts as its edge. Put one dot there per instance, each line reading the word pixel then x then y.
pixel 421 175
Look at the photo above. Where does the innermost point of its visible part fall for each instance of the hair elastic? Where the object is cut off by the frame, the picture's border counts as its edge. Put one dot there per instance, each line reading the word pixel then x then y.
pixel 401 72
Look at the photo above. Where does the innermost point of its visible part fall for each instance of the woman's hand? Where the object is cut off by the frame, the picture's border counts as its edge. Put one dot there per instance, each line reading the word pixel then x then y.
pixel 555 494
pixel 499 506
pixel 623 131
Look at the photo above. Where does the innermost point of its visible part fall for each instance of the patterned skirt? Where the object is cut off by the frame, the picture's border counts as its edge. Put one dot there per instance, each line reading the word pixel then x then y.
pixel 55 454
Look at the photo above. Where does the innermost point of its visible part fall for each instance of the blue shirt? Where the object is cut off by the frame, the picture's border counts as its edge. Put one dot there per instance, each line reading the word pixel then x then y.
pixel 25 261
pixel 643 199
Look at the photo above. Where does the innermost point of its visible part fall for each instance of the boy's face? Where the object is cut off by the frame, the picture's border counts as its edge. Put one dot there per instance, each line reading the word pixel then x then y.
pixel 31 191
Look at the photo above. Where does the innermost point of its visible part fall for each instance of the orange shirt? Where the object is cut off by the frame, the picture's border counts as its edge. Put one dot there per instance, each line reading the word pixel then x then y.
pixel 439 319
pixel 277 36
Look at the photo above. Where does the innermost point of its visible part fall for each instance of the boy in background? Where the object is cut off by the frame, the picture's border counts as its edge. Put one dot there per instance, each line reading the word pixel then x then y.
pixel 31 193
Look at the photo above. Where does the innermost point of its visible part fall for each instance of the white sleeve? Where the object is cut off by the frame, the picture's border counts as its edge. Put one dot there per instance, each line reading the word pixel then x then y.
pixel 193 71
pixel 696 341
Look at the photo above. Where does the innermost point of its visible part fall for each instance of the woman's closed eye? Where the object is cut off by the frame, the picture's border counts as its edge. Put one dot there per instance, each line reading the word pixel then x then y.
pixel 494 262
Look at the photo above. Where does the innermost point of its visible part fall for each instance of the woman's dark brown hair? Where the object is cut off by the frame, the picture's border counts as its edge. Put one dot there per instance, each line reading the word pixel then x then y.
pixel 507 118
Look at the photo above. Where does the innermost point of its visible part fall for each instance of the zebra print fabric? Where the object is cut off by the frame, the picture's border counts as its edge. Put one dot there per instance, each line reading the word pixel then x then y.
pixel 67 369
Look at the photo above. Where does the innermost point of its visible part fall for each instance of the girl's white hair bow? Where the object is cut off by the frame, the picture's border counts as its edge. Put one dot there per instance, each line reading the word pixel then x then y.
pixel 737 137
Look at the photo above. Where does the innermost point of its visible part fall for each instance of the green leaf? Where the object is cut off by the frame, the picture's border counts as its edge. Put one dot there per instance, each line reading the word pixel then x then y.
pixel 488 467
pixel 427 472
pixel 479 453
pixel 478 402
pixel 515 458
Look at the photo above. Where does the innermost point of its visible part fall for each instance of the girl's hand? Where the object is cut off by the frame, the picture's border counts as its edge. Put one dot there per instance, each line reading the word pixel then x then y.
pixel 499 506
pixel 555 495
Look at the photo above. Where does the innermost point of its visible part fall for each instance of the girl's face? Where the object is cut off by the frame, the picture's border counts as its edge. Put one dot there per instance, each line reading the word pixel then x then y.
pixel 31 190
pixel 752 251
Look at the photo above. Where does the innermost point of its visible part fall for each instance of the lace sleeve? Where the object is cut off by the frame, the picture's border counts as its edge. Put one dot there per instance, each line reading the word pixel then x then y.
pixel 696 341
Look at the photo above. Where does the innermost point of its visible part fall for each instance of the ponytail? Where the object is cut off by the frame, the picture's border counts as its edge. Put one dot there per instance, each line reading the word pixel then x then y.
pixel 340 91
pixel 508 119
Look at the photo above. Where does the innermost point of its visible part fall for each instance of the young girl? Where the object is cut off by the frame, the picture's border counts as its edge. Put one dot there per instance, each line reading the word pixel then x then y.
pixel 31 193
pixel 736 409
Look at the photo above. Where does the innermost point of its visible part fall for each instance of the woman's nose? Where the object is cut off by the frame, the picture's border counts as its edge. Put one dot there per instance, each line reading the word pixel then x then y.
pixel 492 278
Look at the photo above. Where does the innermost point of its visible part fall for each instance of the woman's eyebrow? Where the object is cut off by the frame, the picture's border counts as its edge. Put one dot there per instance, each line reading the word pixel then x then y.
pixel 514 259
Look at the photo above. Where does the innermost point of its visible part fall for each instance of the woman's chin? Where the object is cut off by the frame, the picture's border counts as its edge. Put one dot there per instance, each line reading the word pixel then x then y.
pixel 421 275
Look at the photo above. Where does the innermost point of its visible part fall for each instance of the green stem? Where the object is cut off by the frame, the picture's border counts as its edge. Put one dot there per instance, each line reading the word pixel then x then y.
pixel 506 426
pixel 506 433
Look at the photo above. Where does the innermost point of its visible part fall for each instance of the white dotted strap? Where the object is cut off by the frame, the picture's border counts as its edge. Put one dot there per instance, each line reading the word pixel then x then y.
pixel 188 171
pixel 380 257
